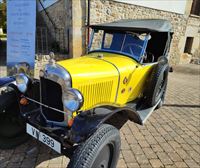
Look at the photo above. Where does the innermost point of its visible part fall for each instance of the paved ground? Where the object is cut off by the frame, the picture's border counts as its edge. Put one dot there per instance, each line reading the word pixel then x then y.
pixel 170 138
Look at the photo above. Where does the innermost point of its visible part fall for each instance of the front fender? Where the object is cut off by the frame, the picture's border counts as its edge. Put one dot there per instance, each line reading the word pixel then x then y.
pixel 86 124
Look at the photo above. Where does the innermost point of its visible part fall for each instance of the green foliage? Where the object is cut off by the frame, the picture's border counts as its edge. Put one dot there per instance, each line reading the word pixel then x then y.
pixel 3 36
pixel 3 15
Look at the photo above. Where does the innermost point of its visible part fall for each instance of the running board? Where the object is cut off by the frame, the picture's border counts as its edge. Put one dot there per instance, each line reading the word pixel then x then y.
pixel 135 112
pixel 141 113
pixel 144 114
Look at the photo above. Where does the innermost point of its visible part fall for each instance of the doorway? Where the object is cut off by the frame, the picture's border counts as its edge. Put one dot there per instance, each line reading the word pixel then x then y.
pixel 188 45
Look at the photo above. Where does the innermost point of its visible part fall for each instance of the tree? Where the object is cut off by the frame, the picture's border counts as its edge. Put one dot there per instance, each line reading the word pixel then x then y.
pixel 3 15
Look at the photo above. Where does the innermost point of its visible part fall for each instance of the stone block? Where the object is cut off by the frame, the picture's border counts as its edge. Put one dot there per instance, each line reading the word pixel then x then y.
pixel 185 58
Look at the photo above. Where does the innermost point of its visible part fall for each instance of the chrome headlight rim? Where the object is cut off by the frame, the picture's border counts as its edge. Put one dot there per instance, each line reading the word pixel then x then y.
pixel 78 98
pixel 68 78
pixel 55 73
pixel 23 84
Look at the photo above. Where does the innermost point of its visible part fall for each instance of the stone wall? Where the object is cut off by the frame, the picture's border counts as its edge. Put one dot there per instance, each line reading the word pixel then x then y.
pixel 107 11
pixel 69 15
pixel 57 13
pixel 78 28
pixel 57 19
pixel 193 30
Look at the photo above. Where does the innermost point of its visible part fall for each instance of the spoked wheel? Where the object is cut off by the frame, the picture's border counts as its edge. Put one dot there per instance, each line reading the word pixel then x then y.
pixel 158 85
pixel 162 95
pixel 161 88
pixel 101 150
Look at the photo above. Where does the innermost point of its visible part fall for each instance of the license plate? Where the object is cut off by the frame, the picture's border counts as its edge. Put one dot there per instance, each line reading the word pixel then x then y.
pixel 44 138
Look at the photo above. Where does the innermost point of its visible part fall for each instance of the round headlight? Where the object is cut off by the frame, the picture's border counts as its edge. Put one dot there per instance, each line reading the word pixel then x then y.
pixel 72 100
pixel 22 82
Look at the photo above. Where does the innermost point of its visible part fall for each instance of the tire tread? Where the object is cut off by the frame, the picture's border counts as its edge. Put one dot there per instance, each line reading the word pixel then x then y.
pixel 86 151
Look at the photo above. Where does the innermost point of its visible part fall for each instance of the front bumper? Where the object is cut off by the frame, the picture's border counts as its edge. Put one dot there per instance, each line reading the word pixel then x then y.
pixel 60 134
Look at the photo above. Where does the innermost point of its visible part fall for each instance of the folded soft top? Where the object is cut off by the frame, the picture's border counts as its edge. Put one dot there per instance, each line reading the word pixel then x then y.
pixel 150 25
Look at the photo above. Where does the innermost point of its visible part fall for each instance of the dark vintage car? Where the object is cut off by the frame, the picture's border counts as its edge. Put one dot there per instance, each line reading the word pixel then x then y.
pixel 78 105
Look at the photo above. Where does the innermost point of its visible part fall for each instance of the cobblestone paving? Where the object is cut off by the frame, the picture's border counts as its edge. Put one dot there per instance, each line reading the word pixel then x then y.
pixel 170 138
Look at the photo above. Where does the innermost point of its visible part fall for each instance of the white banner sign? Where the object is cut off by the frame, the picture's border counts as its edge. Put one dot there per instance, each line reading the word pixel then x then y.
pixel 21 29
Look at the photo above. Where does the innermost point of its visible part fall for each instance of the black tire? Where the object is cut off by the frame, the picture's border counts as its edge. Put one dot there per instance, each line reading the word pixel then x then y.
pixel 101 150
pixel 12 134
pixel 12 128
pixel 157 85
pixel 10 143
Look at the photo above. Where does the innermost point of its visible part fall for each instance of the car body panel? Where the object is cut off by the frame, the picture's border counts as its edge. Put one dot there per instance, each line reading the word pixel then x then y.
pixel 6 81
pixel 107 78
pixel 96 79
pixel 138 80
pixel 133 76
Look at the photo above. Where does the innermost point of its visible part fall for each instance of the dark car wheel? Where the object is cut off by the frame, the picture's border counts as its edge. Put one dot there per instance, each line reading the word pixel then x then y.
pixel 101 150
pixel 12 133
pixel 12 128
pixel 157 86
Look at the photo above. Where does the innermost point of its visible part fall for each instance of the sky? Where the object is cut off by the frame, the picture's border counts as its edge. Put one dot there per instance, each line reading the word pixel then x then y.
pixel 1 1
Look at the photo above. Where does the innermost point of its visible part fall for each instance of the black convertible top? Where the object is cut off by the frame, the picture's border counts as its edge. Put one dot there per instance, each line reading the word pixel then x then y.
pixel 150 25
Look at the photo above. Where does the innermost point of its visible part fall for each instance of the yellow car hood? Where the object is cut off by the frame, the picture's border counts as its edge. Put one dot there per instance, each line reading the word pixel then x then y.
pixel 96 79
pixel 88 68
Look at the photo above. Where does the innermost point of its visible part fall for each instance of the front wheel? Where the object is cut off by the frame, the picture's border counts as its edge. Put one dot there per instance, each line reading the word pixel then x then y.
pixel 101 150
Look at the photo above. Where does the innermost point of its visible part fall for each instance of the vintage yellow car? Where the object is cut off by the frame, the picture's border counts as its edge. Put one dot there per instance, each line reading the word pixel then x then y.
pixel 78 105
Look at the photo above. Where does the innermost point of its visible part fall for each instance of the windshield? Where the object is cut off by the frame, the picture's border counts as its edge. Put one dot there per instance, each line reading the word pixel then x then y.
pixel 126 43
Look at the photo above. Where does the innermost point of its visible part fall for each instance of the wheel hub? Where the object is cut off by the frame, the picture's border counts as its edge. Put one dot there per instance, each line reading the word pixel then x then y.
pixel 104 158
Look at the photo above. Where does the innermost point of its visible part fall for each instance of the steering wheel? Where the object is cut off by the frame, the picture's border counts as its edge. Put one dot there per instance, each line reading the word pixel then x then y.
pixel 129 46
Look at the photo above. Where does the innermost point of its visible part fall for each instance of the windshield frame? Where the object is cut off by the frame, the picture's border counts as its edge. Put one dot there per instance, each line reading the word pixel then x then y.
pixel 113 51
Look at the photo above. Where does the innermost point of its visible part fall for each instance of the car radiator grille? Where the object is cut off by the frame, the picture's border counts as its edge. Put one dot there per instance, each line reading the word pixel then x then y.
pixel 51 93
pixel 96 93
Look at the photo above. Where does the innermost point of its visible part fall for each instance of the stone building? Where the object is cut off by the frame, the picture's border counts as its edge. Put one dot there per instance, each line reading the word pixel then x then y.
pixel 189 45
pixel 61 27
pixel 71 16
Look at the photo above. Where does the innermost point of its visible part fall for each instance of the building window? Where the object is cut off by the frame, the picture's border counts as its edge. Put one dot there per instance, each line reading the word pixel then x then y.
pixel 195 7
pixel 188 45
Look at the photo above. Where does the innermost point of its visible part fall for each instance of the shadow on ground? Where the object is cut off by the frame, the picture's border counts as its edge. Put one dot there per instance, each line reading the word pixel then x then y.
pixel 182 105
